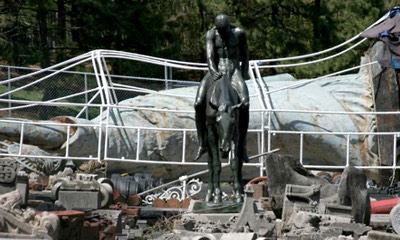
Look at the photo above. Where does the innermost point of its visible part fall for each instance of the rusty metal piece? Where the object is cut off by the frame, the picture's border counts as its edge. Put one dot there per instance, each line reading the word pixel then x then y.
pixel 118 197
pixel 259 190
pixel 185 203
pixel 90 230
pixel 130 215
pixel 325 175
pixel 37 182
pixel 173 203
pixel 102 224
pixel 159 203
pixel 336 177
pixel 134 200
pixel 133 212
pixel 266 204
pixel 107 233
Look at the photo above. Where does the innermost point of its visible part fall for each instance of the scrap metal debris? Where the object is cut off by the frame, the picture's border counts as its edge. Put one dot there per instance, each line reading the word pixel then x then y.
pixel 71 204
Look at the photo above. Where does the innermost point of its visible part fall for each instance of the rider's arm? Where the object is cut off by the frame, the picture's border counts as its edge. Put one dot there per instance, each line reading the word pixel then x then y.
pixel 210 45
pixel 244 55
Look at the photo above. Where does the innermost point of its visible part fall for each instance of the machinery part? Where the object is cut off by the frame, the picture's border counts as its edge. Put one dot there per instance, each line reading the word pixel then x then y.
pixel 106 195
pixel 8 174
pixel 395 218
pixel 258 180
pixel 383 206
pixel 8 168
pixel 106 181
pixel 55 190
pixel 100 189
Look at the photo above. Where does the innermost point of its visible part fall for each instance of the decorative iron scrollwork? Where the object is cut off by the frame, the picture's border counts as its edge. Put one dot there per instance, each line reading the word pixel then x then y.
pixel 185 190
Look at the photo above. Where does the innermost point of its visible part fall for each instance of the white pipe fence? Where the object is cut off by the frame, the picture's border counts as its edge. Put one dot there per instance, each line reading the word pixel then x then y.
pixel 106 89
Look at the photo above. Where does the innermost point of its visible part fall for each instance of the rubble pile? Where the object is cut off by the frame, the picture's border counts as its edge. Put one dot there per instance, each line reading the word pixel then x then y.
pixel 291 203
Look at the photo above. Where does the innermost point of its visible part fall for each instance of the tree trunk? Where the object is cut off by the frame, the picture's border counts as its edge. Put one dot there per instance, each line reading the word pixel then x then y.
pixel 61 31
pixel 41 17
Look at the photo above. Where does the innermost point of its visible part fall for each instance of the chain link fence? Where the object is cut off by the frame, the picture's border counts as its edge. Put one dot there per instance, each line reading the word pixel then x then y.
pixel 37 96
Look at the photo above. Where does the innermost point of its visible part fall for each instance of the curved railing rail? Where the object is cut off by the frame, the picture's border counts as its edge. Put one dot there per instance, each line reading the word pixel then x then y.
pixel 101 91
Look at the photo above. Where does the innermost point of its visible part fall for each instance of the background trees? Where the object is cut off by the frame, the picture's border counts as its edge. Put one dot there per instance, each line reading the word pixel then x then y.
pixel 44 32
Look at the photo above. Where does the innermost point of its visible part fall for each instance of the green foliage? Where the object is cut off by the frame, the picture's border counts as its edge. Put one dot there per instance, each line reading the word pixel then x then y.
pixel 44 32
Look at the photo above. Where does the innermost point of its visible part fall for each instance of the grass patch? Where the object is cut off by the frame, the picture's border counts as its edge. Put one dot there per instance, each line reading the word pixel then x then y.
pixel 23 94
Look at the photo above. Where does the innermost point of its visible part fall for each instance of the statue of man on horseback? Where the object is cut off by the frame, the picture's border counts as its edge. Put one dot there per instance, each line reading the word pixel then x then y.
pixel 223 90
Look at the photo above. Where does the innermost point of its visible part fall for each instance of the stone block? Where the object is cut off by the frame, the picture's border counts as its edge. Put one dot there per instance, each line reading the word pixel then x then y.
pixel 79 199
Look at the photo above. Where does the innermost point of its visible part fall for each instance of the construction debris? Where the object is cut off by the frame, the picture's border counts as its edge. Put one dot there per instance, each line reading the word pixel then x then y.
pixel 291 203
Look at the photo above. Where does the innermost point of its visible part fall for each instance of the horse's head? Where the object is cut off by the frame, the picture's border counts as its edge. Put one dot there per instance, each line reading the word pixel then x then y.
pixel 227 124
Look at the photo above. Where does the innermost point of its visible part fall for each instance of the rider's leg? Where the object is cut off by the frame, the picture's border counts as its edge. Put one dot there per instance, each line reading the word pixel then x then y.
pixel 243 92
pixel 200 116
pixel 243 127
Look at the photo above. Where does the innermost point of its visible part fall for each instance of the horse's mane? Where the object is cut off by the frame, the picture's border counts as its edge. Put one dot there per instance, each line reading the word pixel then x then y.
pixel 223 93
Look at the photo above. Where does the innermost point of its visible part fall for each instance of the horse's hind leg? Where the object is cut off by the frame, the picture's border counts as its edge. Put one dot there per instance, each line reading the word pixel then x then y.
pixel 236 167
pixel 210 190
pixel 217 187
pixel 216 168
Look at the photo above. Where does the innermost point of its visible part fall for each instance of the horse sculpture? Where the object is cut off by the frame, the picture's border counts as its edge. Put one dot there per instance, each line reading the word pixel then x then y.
pixel 222 124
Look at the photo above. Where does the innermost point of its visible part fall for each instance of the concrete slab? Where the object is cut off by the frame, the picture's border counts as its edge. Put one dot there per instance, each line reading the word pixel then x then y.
pixel 238 236
pixel 380 220
pixel 377 235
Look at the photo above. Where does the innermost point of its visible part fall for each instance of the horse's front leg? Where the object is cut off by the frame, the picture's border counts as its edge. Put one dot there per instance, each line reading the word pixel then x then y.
pixel 236 167
pixel 214 166
pixel 210 190
pixel 217 173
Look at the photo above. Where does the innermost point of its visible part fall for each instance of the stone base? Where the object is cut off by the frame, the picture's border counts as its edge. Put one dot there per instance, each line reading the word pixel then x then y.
pixel 209 207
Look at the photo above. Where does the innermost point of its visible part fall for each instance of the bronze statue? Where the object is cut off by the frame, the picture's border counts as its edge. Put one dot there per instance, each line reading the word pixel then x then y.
pixel 227 53
pixel 222 105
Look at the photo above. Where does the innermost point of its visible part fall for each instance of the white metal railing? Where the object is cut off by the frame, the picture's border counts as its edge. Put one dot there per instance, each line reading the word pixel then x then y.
pixel 102 150
pixel 106 91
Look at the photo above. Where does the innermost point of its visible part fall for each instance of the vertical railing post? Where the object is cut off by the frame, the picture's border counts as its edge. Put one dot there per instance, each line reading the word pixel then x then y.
pixel 394 164
pixel 68 140
pixel 21 140
pixel 184 187
pixel 166 77
pixel 137 143
pixel 183 146
pixel 9 89
pixel 100 135
pixel 301 147
pixel 86 96
pixel 347 150
pixel 394 151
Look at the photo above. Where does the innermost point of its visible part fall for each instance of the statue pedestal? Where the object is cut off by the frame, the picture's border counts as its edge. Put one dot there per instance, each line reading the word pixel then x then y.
pixel 211 208
pixel 227 217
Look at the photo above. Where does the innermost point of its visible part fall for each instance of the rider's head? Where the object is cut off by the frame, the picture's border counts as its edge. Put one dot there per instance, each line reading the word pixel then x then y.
pixel 222 24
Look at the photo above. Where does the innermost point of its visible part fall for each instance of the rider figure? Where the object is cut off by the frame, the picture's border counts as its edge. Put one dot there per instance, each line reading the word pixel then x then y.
pixel 227 53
